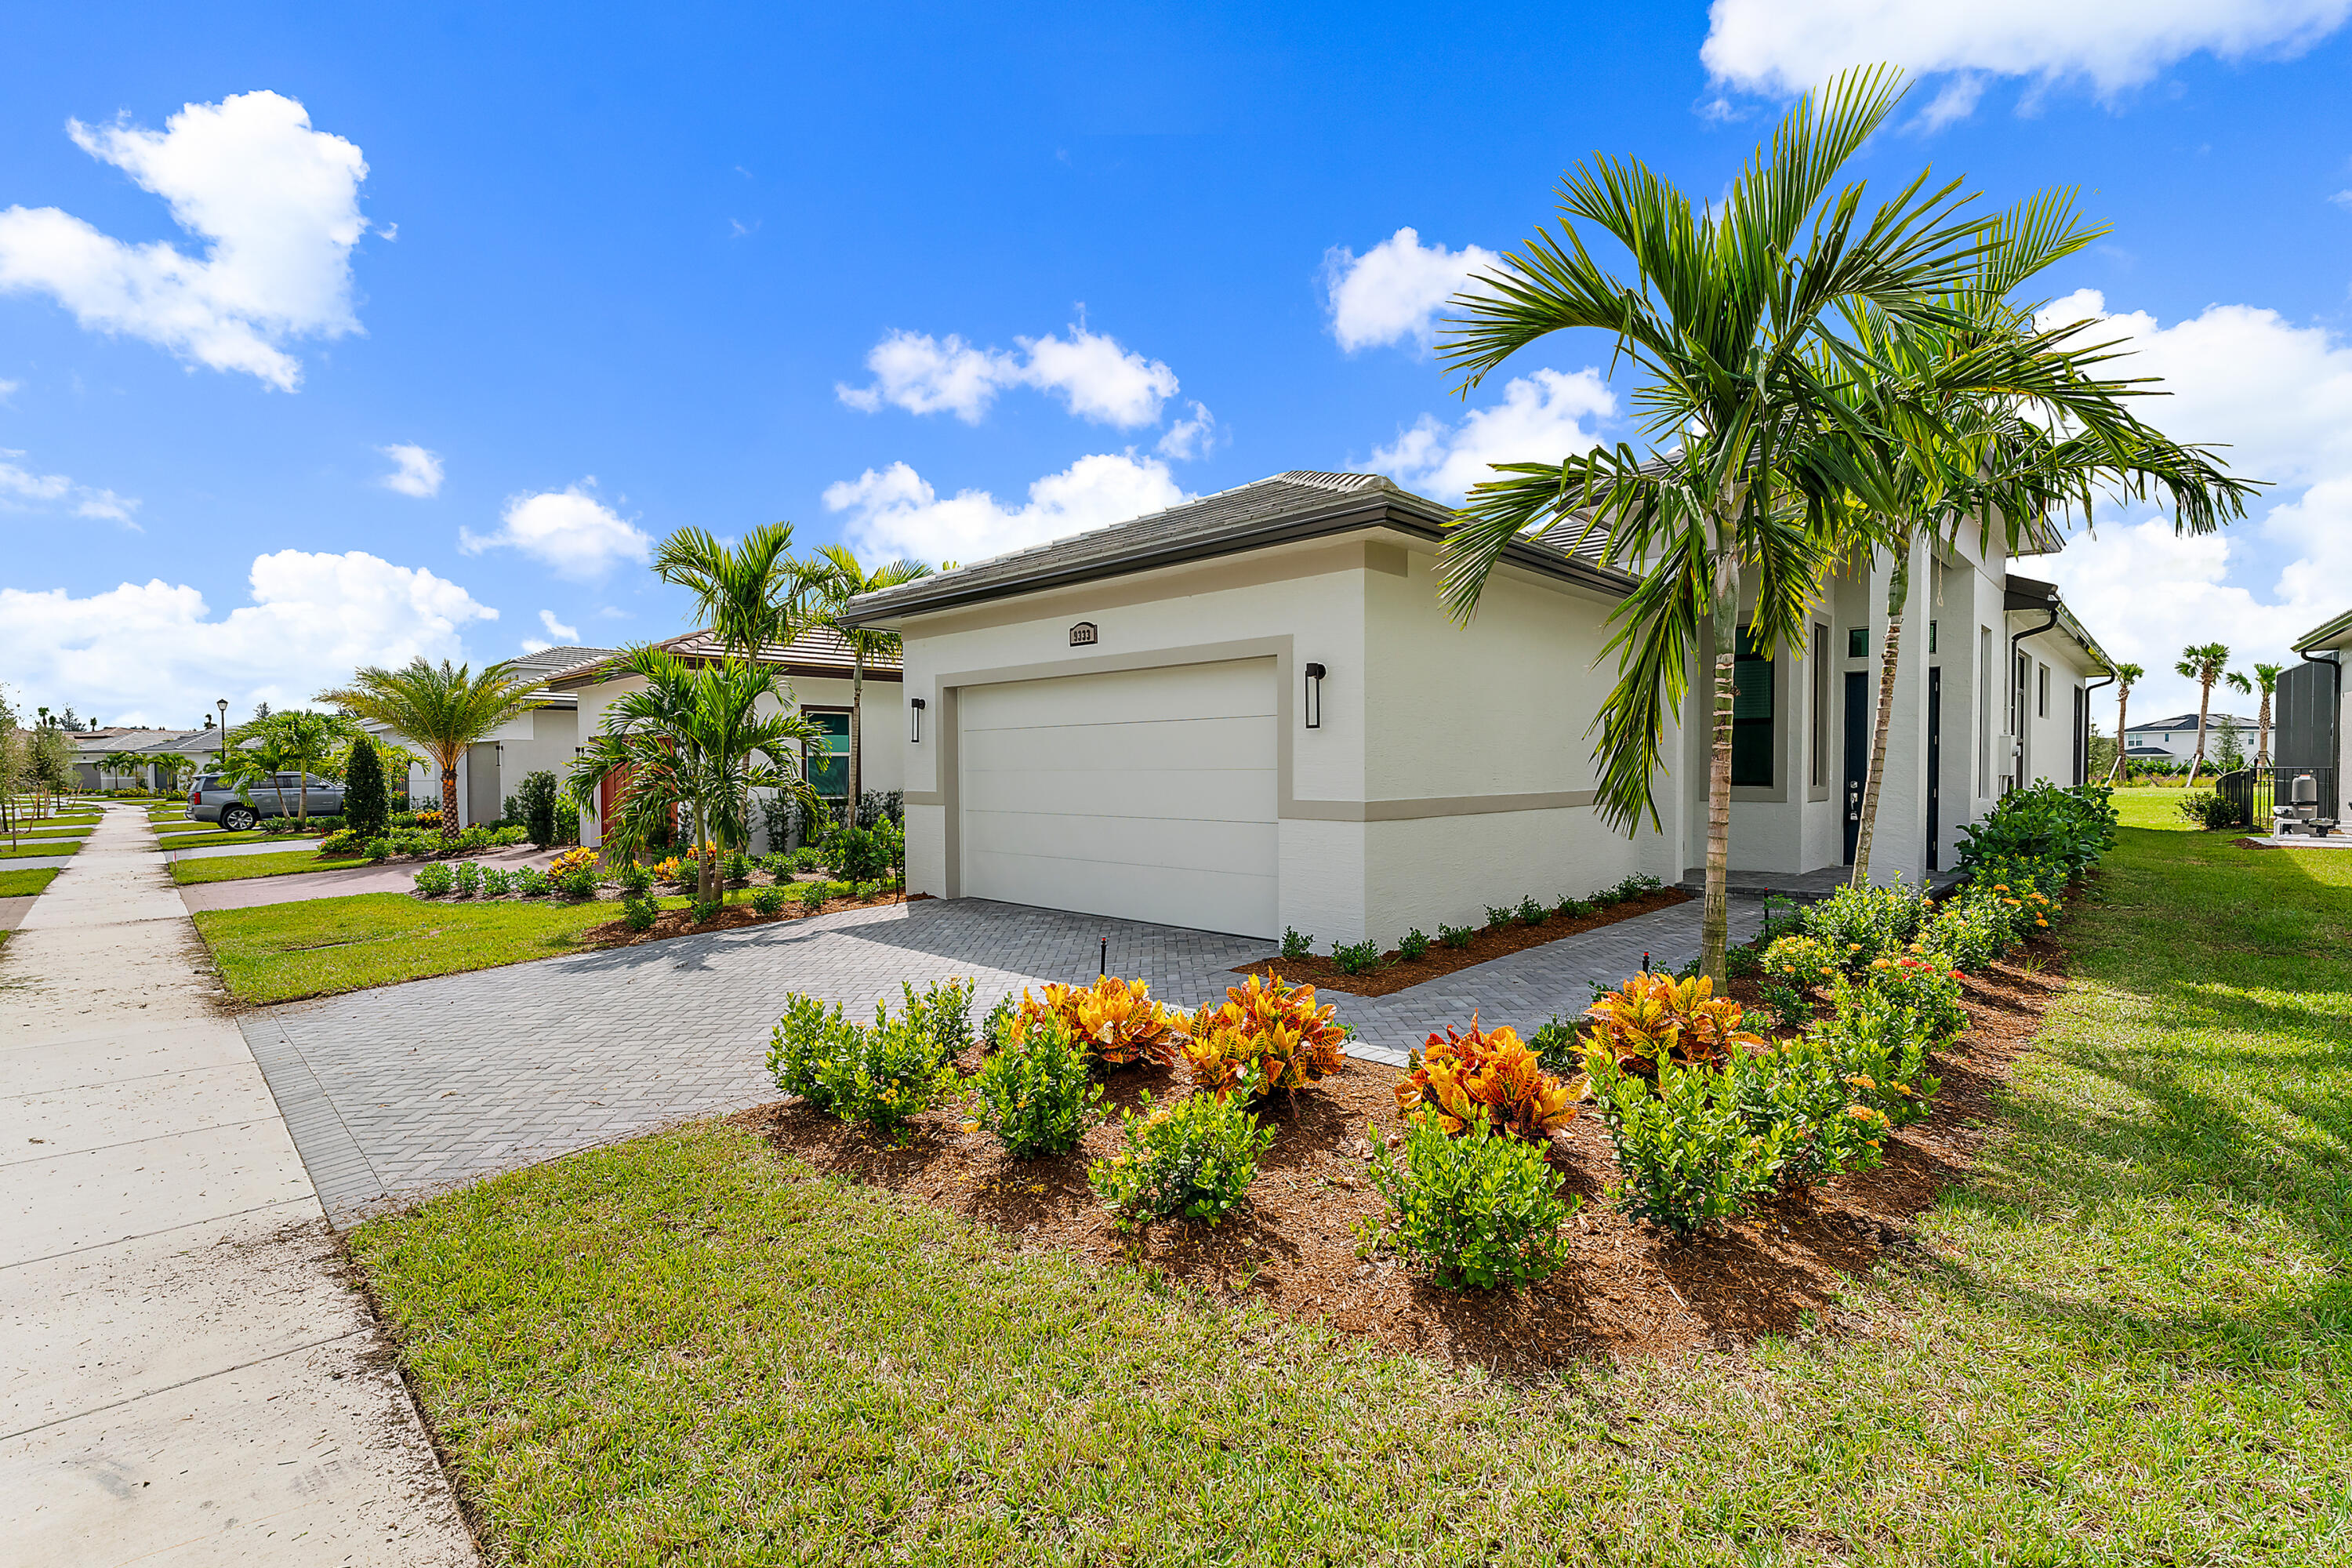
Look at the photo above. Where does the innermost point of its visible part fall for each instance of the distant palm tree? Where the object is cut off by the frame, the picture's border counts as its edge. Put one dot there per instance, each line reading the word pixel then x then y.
pixel 744 592
pixel 2126 677
pixel 829 580
pixel 2204 663
pixel 2265 681
pixel 443 708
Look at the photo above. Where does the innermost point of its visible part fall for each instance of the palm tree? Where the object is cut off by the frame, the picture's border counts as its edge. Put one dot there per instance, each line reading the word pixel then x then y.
pixel 2204 663
pixel 1955 417
pixel 1723 317
pixel 691 736
pixel 829 580
pixel 293 741
pixel 118 763
pixel 2267 679
pixel 2126 677
pixel 744 592
pixel 442 707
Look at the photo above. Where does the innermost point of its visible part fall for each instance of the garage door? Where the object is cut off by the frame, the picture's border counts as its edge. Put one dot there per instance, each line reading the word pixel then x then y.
pixel 1147 794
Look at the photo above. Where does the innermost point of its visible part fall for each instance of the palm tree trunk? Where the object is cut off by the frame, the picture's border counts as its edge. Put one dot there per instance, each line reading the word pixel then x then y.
pixel 2262 733
pixel 1715 920
pixel 2123 702
pixel 706 867
pixel 448 797
pixel 1899 597
pixel 857 716
pixel 2204 702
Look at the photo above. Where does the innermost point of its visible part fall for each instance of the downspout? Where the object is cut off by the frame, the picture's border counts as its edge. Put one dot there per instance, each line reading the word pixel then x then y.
pixel 2083 742
pixel 2017 759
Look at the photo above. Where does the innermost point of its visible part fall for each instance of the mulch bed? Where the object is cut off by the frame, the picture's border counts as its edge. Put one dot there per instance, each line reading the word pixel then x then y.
pixel 681 922
pixel 1627 1290
pixel 1491 941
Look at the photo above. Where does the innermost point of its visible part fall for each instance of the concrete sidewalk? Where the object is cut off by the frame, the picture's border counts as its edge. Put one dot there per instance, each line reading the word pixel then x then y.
pixel 186 1379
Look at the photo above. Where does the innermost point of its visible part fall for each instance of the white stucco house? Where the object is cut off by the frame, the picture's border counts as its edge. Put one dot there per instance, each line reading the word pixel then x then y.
pixel 543 736
pixel 818 666
pixel 2175 738
pixel 1251 712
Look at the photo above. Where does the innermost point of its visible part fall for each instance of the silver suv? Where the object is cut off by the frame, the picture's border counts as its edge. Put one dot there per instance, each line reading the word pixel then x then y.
pixel 279 794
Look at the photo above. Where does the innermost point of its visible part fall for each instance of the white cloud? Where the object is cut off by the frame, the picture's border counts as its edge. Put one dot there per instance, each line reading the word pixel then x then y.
pixel 895 512
pixel 569 530
pixel 154 654
pixel 556 629
pixel 415 471
pixel 277 204
pixel 9 389
pixel 1093 376
pixel 1394 292
pixel 2280 397
pixel 22 490
pixel 1542 418
pixel 1788 45
pixel 1193 437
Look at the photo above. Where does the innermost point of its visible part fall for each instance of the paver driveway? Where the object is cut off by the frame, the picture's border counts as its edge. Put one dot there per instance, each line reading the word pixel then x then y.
pixel 405 1089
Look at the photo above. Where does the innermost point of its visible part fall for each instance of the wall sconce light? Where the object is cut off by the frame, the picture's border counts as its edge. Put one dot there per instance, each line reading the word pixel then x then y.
pixel 915 721
pixel 1315 696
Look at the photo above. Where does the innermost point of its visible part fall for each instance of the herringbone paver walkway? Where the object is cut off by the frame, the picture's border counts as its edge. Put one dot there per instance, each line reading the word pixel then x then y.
pixel 398 1092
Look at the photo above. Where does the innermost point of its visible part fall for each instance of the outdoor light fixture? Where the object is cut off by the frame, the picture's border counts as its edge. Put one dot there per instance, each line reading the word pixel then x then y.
pixel 222 705
pixel 915 721
pixel 1315 696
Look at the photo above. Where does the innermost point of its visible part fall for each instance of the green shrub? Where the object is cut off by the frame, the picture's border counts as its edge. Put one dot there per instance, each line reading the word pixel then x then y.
pixel 861 854
pixel 1531 912
pixel 807 858
pixel 1035 1094
pixel 1606 898
pixel 379 850
pixel 883 1075
pixel 1858 924
pixel 1928 988
pixel 1413 944
pixel 1294 946
pixel 1569 909
pixel 639 913
pixel 535 807
pixel 2209 810
pixel 1970 928
pixel 1881 1046
pixel 1456 937
pixel 943 1010
pixel 1559 1048
pixel 1798 1097
pixel 2043 822
pixel 999 1022
pixel 809 1033
pixel 1193 1159
pixel 815 894
pixel 736 866
pixel 497 881
pixel 1498 915
pixel 578 883
pixel 634 879
pixel 1687 1155
pixel 365 808
pixel 469 878
pixel 708 910
pixel 338 844
pixel 1482 1210
pixel 768 901
pixel 1356 957
pixel 531 882
pixel 435 879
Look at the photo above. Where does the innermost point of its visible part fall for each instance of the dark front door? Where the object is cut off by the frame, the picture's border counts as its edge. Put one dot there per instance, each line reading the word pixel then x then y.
pixel 1858 754
pixel 1935 767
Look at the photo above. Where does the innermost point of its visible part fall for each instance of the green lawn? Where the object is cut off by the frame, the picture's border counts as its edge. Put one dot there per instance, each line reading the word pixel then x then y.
pixel 212 838
pixel 2128 1339
pixel 45 831
pixel 320 946
pixel 32 845
pixel 25 884
pixel 266 863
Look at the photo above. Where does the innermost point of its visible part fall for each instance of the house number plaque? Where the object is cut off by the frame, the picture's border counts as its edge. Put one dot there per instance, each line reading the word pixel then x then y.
pixel 1082 635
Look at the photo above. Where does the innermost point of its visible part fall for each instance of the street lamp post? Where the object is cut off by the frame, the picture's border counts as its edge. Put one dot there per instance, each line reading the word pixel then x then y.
pixel 222 705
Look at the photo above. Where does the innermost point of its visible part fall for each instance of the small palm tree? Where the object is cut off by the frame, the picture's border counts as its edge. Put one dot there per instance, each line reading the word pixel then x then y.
pixel 828 581
pixel 691 737
pixel 2266 682
pixel 2206 664
pixel 2126 677
pixel 745 591
pixel 291 739
pixel 118 763
pixel 443 708
pixel 1724 313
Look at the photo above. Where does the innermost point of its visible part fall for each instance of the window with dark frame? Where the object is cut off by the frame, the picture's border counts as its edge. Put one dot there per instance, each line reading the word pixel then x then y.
pixel 1751 714
pixel 1857 642
pixel 826 763
pixel 2041 692
pixel 1820 773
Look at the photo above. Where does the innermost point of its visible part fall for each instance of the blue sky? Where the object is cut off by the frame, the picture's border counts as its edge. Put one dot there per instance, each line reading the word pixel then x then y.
pixel 932 281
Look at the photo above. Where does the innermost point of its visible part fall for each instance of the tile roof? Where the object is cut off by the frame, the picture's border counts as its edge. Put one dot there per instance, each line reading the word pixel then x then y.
pixel 1300 504
pixel 819 650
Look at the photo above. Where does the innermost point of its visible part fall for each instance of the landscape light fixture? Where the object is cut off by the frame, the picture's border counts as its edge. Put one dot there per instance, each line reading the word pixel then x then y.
pixel 223 706
pixel 1315 696
pixel 915 721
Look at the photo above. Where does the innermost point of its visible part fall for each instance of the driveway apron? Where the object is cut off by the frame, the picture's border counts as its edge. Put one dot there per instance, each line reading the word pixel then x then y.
pixel 188 1380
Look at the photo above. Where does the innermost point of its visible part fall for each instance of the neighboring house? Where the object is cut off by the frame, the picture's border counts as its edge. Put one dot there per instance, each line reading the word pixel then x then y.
pixel 1251 712
pixel 2176 737
pixel 92 747
pixel 543 736
pixel 2312 712
pixel 817 664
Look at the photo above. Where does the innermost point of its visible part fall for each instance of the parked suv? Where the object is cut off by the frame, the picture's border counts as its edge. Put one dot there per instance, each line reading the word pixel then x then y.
pixel 279 794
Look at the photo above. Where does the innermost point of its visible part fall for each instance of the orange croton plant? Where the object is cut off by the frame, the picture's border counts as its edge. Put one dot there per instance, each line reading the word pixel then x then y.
pixel 1655 1017
pixel 1116 1019
pixel 1267 1035
pixel 1489 1076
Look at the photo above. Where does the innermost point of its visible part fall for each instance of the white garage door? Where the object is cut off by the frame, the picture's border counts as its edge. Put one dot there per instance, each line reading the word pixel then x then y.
pixel 1146 793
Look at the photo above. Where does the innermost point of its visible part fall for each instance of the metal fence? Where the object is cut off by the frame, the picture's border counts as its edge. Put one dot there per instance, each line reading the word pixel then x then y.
pixel 2255 792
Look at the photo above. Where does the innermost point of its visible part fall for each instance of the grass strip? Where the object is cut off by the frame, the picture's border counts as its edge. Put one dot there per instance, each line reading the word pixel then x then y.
pixel 320 946
pixel 25 884
pixel 29 847
pixel 241 868
pixel 2127 1338
pixel 215 838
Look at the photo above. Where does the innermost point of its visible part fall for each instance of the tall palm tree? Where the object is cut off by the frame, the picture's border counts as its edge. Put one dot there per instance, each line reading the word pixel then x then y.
pixel 829 580
pixel 443 708
pixel 1723 317
pixel 743 591
pixel 2266 682
pixel 291 739
pixel 2126 677
pixel 691 736
pixel 2204 663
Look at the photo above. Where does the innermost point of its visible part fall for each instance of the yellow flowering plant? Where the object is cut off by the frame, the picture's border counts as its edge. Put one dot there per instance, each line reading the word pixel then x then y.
pixel 1115 1020
pixel 1655 1017
pixel 1268 1035
pixel 1488 1076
